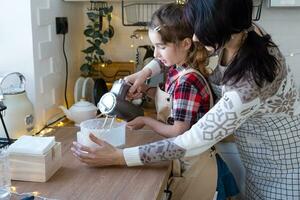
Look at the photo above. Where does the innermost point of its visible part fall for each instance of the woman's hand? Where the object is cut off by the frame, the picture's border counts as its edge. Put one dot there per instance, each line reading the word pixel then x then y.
pixel 103 155
pixel 136 123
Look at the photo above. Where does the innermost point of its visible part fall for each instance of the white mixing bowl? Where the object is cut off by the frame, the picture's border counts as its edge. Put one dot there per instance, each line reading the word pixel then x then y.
pixel 114 135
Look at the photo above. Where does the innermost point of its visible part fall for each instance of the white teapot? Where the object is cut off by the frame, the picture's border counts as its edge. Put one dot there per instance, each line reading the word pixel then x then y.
pixel 80 111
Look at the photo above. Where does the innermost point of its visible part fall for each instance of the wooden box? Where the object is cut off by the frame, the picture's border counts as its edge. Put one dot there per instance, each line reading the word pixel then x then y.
pixel 36 168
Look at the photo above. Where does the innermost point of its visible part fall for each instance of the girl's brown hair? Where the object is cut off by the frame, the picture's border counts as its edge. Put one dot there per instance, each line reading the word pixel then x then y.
pixel 169 22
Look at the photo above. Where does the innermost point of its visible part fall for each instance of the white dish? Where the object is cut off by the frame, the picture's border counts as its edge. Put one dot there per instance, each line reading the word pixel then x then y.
pixel 78 89
pixel 88 90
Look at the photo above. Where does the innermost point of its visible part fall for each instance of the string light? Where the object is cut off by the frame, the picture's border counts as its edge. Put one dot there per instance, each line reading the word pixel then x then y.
pixel 13 190
pixel 131 45
pixel 60 124
pixel 180 1
pixel 35 193
pixel 46 131
pixel 292 54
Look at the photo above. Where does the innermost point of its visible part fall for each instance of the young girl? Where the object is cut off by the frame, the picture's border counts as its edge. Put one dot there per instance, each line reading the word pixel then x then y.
pixel 186 96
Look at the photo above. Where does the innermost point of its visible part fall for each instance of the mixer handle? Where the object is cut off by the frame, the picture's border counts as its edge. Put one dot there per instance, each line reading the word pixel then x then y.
pixel 2 78
pixel 120 89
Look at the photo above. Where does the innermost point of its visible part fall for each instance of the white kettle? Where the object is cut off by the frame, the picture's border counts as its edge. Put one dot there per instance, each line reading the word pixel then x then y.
pixel 80 111
pixel 18 117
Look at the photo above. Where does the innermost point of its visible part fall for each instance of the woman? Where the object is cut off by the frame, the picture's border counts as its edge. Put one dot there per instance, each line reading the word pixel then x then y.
pixel 259 104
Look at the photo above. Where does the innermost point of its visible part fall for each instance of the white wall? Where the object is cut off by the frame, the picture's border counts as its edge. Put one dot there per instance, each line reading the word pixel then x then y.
pixel 282 23
pixel 119 47
pixel 29 45
pixel 16 49
pixel 49 71
pixel 284 26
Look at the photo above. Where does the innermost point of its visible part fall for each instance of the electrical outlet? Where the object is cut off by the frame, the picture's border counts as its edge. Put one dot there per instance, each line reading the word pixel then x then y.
pixel 61 25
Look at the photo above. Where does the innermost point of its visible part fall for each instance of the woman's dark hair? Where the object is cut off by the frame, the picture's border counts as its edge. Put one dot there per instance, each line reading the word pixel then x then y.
pixel 214 22
pixel 170 23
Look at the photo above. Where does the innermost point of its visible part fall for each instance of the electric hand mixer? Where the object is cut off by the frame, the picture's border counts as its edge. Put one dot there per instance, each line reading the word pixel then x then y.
pixel 114 103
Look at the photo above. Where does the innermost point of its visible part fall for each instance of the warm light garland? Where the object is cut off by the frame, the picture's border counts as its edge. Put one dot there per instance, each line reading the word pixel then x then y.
pixel 46 131
pixel 13 190
pixel 180 1
pixel 292 54
pixel 60 124
pixel 35 193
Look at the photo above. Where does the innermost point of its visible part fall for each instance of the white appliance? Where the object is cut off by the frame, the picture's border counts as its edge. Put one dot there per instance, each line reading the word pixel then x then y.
pixel 18 117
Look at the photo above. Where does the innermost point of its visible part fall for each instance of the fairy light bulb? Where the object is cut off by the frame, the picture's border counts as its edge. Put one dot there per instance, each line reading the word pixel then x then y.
pixel 60 124
pixel 292 54
pixel 13 189
pixel 46 131
pixel 131 45
pixel 35 193
pixel 180 1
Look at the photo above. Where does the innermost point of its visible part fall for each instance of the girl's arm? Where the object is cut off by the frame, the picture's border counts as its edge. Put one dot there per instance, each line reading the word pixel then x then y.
pixel 137 79
pixel 163 129
pixel 166 130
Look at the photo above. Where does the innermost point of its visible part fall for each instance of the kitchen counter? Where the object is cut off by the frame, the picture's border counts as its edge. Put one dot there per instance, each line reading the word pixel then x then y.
pixel 75 180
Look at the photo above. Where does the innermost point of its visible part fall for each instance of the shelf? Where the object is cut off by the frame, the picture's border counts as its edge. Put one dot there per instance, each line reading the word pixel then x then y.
pixel 138 13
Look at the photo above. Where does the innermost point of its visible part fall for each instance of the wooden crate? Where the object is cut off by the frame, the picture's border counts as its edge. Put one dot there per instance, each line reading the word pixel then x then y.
pixel 35 168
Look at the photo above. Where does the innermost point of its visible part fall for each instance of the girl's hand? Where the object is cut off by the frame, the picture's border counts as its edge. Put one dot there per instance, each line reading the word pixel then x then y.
pixel 103 155
pixel 136 123
pixel 139 92
pixel 137 80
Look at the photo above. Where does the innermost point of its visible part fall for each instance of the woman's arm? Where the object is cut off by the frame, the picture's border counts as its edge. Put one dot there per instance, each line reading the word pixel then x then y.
pixel 234 108
pixel 223 119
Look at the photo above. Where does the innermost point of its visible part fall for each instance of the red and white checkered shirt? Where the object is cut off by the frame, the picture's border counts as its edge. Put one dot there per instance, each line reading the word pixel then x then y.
pixel 190 95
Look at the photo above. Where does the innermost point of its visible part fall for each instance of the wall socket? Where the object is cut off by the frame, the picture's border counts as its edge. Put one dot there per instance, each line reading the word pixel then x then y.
pixel 61 25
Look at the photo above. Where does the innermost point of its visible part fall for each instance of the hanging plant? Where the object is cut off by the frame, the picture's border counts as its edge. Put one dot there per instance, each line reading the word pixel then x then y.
pixel 96 36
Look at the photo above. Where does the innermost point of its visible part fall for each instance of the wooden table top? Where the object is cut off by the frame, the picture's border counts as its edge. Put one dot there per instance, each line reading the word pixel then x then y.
pixel 75 180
